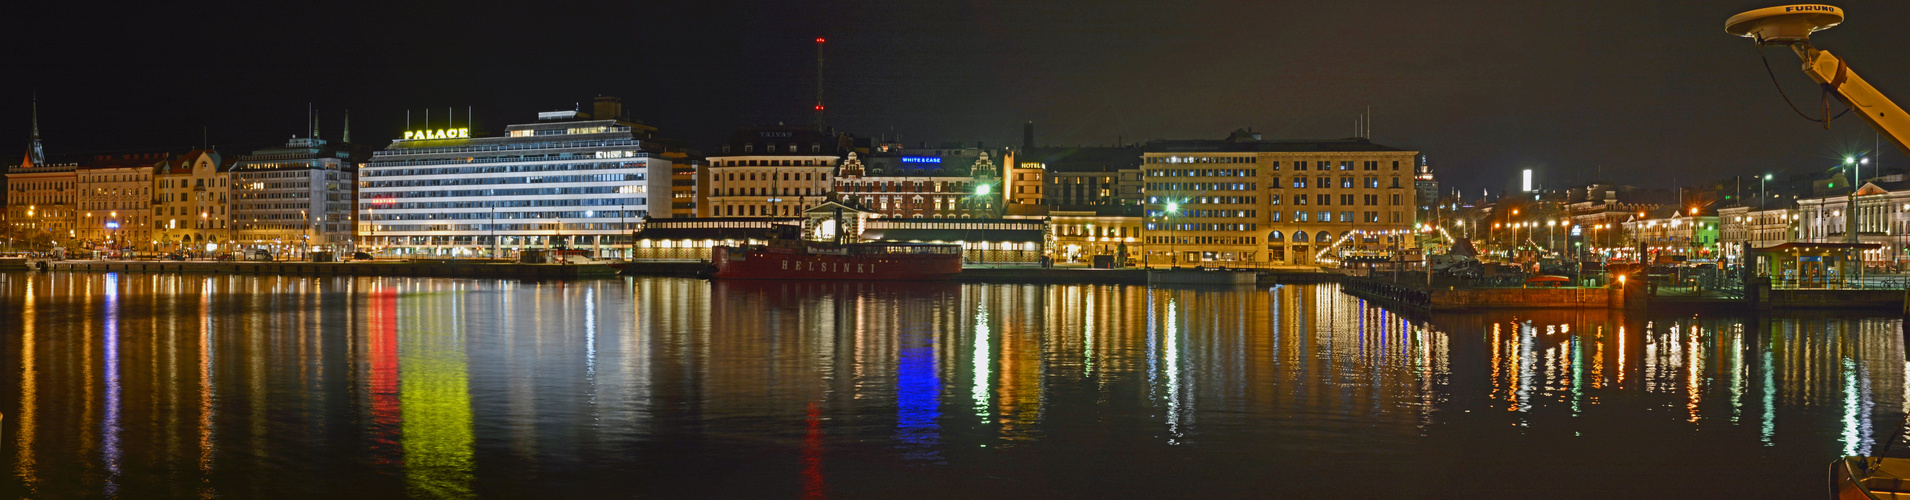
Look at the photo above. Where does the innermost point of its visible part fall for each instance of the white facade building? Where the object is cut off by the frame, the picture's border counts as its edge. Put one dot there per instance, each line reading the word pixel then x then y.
pixel 564 181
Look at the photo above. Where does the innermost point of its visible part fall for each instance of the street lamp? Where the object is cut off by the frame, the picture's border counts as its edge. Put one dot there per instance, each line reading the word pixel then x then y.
pixel 1764 191
pixel 1172 253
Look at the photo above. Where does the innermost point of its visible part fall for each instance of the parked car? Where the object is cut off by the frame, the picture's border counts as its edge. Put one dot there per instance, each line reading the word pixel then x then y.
pixel 361 256
pixel 259 255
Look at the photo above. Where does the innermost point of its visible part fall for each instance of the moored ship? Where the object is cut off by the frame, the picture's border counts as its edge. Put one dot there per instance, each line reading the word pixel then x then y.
pixel 806 260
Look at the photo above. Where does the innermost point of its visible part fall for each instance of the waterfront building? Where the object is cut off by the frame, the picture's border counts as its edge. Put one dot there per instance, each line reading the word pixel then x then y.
pixel 1600 211
pixel 1082 177
pixel 1107 231
pixel 982 240
pixel 293 199
pixel 40 200
pixel 1742 225
pixel 191 200
pixel 776 171
pixel 914 184
pixel 1022 192
pixel 1244 200
pixel 1674 234
pixel 1882 218
pixel 38 195
pixel 566 180
pixel 114 202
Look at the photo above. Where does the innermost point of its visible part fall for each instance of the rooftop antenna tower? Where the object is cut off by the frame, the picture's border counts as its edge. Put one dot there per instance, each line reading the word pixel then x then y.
pixel 819 107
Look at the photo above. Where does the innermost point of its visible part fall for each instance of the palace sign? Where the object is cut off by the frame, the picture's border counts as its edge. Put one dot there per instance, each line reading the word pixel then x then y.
pixel 443 133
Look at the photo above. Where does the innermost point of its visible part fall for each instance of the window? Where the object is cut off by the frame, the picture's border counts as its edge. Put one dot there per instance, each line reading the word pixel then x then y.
pixel 1372 182
pixel 1299 165
pixel 1395 200
pixel 1326 216
pixel 1275 215
pixel 1395 164
pixel 1396 182
pixel 1346 165
pixel 1372 217
pixel 1276 182
pixel 1324 182
pixel 1323 165
pixel 1299 182
pixel 1346 216
pixel 1299 216
pixel 1275 166
pixel 1323 199
pixel 1395 217
pixel 1346 199
pixel 1346 182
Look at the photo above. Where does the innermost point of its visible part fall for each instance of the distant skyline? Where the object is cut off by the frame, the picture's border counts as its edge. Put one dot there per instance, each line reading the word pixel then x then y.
pixel 1644 92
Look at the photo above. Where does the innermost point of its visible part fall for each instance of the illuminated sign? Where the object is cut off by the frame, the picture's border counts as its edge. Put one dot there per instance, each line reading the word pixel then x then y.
pixel 443 133
pixel 112 224
pixel 1030 164
pixel 921 159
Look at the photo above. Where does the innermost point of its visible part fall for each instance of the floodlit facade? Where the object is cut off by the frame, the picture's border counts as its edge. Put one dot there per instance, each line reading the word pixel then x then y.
pixel 114 202
pixel 563 181
pixel 1248 201
pixel 916 184
pixel 294 199
pixel 190 204
pixel 774 171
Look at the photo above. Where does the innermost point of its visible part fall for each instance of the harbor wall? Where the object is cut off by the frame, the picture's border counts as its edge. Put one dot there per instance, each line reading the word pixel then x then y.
pixel 439 268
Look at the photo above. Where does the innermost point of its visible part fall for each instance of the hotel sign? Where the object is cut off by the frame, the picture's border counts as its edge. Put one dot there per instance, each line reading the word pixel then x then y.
pixel 443 133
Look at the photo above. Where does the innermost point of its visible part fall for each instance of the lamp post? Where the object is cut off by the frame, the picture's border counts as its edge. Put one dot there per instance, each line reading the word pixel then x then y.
pixel 981 194
pixel 1764 191
pixel 1172 253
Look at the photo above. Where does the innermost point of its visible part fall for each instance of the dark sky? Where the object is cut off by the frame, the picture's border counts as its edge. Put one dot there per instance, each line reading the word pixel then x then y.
pixel 1642 91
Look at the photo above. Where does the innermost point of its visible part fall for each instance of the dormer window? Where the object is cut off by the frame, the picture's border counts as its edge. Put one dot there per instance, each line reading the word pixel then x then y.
pixel 749 148
pixel 815 147
pixel 792 148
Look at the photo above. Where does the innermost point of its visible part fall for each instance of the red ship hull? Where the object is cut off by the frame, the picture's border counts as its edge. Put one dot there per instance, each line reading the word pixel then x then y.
pixel 787 264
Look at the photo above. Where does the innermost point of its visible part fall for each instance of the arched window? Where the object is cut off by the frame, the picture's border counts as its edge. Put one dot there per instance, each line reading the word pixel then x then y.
pixel 1275 236
pixel 1323 237
pixel 1299 236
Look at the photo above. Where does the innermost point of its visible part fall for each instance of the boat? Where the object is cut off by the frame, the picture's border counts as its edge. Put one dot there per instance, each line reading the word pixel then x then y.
pixel 790 258
pixel 1870 478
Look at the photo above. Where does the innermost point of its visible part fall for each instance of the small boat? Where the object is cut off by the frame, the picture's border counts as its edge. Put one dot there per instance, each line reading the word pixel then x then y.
pixel 1870 478
pixel 789 258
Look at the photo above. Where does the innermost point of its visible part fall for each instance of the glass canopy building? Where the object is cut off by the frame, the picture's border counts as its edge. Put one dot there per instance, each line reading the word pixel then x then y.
pixel 564 181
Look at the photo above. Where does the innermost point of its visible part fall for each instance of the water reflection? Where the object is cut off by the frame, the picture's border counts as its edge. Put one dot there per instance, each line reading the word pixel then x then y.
pixel 196 386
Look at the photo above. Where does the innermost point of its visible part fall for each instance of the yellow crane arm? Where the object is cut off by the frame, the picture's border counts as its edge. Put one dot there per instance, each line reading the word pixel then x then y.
pixel 1792 25
pixel 1862 98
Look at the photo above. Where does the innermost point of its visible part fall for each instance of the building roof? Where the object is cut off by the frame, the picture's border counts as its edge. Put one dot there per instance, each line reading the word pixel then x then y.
pixel 756 141
pixel 1084 159
pixel 129 160
pixel 1251 144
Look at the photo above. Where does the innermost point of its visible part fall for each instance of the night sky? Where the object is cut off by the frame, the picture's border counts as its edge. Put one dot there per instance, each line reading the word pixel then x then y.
pixel 1642 91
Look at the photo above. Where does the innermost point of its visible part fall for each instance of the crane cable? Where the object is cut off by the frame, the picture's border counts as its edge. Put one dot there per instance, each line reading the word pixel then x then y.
pixel 1787 98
